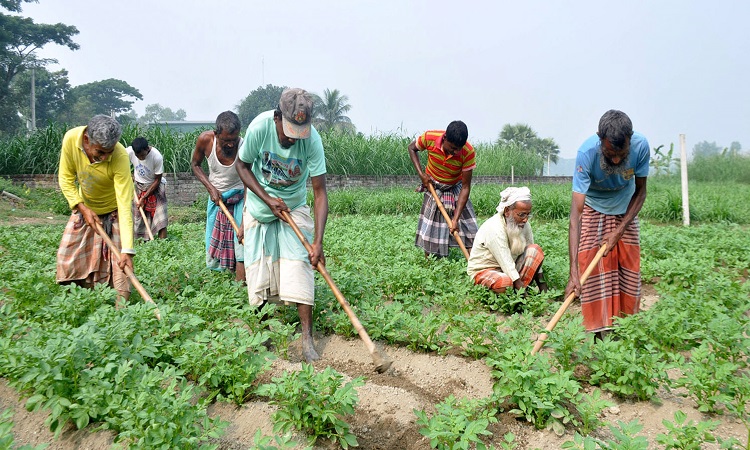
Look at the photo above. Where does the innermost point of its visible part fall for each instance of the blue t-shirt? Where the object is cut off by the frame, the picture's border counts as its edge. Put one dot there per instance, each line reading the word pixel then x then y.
pixel 282 172
pixel 609 193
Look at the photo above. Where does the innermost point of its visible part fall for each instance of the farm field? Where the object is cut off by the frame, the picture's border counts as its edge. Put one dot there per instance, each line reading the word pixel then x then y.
pixel 202 376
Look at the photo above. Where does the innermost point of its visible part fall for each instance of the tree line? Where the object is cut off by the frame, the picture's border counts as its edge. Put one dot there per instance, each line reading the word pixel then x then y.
pixel 56 101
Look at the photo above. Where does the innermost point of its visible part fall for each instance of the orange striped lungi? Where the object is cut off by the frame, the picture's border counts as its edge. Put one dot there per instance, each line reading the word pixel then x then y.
pixel 614 287
pixel 84 256
pixel 527 264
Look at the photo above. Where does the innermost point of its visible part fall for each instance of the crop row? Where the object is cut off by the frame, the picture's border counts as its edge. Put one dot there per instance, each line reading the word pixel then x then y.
pixel 71 353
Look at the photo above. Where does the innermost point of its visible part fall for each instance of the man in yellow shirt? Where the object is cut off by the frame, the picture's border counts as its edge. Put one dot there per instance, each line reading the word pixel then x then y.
pixel 94 176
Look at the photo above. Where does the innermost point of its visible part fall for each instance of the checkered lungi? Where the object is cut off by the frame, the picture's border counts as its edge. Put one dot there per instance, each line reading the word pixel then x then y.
pixel 614 287
pixel 433 235
pixel 155 209
pixel 84 256
pixel 223 251
pixel 527 264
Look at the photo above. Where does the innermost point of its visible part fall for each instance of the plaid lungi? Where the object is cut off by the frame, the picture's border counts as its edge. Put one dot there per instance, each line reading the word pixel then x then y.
pixel 614 287
pixel 223 251
pixel 84 256
pixel 155 209
pixel 433 234
pixel 527 265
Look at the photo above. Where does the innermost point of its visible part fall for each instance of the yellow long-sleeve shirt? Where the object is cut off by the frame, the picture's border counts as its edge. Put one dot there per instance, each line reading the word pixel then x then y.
pixel 104 186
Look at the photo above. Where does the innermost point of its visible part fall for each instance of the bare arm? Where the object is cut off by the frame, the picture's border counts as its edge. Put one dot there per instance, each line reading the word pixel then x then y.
pixel 463 197
pixel 321 217
pixel 414 156
pixel 202 151
pixel 151 189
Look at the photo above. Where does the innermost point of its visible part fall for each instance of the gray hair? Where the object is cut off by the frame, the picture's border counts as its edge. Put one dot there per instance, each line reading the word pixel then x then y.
pixel 616 127
pixel 104 130
pixel 228 121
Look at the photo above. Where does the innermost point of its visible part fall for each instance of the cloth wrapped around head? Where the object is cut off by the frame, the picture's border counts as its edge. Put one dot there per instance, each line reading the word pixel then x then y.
pixel 512 195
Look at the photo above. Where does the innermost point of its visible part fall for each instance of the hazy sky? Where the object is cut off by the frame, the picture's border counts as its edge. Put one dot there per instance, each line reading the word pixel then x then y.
pixel 673 66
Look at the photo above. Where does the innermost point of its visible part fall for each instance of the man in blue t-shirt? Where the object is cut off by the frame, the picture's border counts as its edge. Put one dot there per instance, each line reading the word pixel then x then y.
pixel 280 151
pixel 609 188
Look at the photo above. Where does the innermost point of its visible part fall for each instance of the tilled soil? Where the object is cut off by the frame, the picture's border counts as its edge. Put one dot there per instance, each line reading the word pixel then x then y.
pixel 384 417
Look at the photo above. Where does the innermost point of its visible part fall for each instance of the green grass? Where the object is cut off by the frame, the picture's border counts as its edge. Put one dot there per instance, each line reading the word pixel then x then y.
pixel 710 202
pixel 720 168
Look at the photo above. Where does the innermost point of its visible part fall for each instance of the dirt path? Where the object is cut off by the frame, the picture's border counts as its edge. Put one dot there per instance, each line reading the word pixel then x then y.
pixel 384 417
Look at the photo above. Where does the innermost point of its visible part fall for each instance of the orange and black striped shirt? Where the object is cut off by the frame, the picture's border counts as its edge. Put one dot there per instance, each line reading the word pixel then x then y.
pixel 441 167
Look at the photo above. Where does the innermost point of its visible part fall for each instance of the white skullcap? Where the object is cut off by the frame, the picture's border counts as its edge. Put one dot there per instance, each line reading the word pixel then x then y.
pixel 512 195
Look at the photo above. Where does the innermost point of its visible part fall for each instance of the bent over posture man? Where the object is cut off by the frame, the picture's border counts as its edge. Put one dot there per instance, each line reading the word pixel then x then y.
pixel 504 253
pixel 224 250
pixel 94 177
pixel 281 150
pixel 609 188
pixel 450 162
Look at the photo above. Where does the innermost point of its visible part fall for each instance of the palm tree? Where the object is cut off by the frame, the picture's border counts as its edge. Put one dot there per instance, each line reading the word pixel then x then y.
pixel 524 136
pixel 330 112
pixel 520 133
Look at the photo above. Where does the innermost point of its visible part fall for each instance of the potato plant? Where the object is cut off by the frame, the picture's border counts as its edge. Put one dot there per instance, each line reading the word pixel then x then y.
pixel 69 352
pixel 315 403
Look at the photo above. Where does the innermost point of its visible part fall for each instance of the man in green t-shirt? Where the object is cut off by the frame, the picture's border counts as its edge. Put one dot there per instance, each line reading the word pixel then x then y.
pixel 281 150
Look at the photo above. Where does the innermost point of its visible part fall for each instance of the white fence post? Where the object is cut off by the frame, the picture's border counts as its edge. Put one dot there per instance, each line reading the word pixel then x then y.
pixel 684 177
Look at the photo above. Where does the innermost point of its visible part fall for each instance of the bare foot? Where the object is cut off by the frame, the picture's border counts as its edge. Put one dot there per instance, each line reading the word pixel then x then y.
pixel 308 351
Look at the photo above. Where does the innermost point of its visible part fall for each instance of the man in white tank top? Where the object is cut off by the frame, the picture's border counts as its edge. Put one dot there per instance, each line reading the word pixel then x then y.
pixel 224 250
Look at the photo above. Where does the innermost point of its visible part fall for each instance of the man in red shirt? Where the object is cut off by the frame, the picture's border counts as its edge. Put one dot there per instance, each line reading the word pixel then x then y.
pixel 450 162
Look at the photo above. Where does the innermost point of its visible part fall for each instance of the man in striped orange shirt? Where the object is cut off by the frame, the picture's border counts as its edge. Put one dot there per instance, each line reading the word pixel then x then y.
pixel 450 162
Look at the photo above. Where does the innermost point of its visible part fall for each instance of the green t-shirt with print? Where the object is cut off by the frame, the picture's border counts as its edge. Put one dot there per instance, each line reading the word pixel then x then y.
pixel 282 172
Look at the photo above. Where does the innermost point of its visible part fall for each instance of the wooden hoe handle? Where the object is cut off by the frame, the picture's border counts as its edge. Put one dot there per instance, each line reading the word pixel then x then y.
pixel 556 318
pixel 143 216
pixel 231 220
pixel 381 364
pixel 456 235
pixel 129 272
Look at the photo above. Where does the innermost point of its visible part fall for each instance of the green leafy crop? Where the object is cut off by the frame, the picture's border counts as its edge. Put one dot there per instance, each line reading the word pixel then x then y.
pixel 315 403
